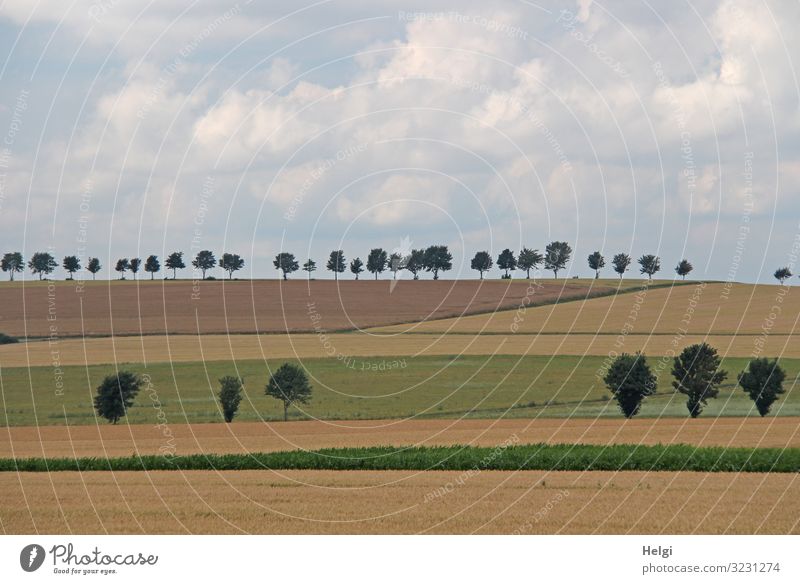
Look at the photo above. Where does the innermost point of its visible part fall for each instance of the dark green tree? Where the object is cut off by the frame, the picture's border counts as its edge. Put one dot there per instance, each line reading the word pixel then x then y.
pixel 115 395
pixel 42 263
pixel 231 262
pixel 230 396
pixel 71 265
pixel 357 266
pixel 123 265
pixel 396 263
pixel 482 262
pixel 93 266
pixel 763 382
pixel 415 262
pixel 649 264
pixel 286 263
pixel 596 262
pixel 175 262
pixel 556 256
pixel 204 261
pixel 134 266
pixel 683 268
pixel 12 262
pixel 152 265
pixel 337 263
pixel 529 259
pixel 290 385
pixel 376 261
pixel 310 266
pixel 630 380
pixel 698 376
pixel 621 262
pixel 506 261
pixel 783 274
pixel 437 258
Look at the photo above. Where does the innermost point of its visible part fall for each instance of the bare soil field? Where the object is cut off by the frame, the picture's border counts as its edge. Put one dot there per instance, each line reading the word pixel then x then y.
pixel 366 502
pixel 694 309
pixel 194 348
pixel 239 437
pixel 64 309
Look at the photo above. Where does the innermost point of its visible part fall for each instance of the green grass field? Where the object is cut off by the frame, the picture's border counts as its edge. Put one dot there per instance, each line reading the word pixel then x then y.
pixel 476 386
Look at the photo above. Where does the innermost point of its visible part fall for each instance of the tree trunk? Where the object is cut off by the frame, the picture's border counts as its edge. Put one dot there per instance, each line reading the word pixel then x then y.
pixel 285 411
pixel 284 275
pixel 376 275
pixel 596 274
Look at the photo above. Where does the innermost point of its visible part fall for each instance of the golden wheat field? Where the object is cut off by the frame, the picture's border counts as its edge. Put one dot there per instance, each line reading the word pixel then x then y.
pixel 241 437
pixel 399 502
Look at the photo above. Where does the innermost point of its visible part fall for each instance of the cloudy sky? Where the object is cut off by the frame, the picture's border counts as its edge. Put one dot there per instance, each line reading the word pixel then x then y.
pixel 131 128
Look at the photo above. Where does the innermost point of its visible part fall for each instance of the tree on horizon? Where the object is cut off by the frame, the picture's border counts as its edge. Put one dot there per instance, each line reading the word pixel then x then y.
pixel 650 264
pixel 482 262
pixel 152 265
pixel 337 263
pixel 42 263
pixel 556 256
pixel 376 261
pixel 683 268
pixel 231 262
pixel 437 258
pixel 357 266
pixel 204 261
pixel 175 262
pixel 286 263
pixel 12 262
pixel 596 262
pixel 621 262
pixel 71 264
pixel 529 259
pixel 506 261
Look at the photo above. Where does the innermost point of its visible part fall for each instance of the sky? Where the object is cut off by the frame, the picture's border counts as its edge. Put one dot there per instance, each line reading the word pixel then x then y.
pixel 668 128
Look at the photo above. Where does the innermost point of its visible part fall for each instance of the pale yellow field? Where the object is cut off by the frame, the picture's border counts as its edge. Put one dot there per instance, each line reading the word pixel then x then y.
pixel 693 309
pixel 399 502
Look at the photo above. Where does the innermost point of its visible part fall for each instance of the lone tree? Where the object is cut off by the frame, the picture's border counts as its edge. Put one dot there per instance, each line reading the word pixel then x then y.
pixel 71 265
pixel 396 263
pixel 783 274
pixel 42 263
pixel 482 262
pixel 286 263
pixel 116 394
pixel 230 396
pixel 763 382
pixel 310 266
pixel 152 265
pixel 683 268
pixel 650 264
pixel 437 258
pixel 204 261
pixel 290 385
pixel 12 262
pixel 415 262
pixel 630 380
pixel 597 262
pixel 506 261
pixel 556 256
pixel 175 262
pixel 336 263
pixel 697 374
pixel 357 266
pixel 122 266
pixel 621 262
pixel 529 259
pixel 93 266
pixel 231 262
pixel 134 266
pixel 376 261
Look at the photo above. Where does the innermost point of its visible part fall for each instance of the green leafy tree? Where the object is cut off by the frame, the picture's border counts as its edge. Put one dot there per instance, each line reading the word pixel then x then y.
pixel 286 263
pixel 336 263
pixel 621 262
pixel 437 258
pixel 506 261
pixel 376 261
pixel 396 263
pixel 231 262
pixel 42 263
pixel 175 262
pixel 630 380
pixel 482 262
pixel 556 256
pixel 357 266
pixel 763 382
pixel 529 259
pixel 683 268
pixel 152 265
pixel 134 266
pixel 115 395
pixel 415 262
pixel 71 265
pixel 783 274
pixel 12 262
pixel 204 261
pixel 310 266
pixel 122 266
pixel 649 264
pixel 230 396
pixel 290 385
pixel 94 266
pixel 698 376
pixel 596 262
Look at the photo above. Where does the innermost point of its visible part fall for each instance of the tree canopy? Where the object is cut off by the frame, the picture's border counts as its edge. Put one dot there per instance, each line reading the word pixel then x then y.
pixel 529 259
pixel 115 395
pixel 698 375
pixel 621 262
pixel 556 256
pixel 437 258
pixel 482 262
pixel 290 385
pixel 596 262
pixel 336 263
pixel 204 261
pixel 649 264
pixel 376 261
pixel 286 263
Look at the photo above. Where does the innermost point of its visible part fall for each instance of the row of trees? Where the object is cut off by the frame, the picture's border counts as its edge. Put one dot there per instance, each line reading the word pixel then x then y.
pixel 697 374
pixel 289 384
